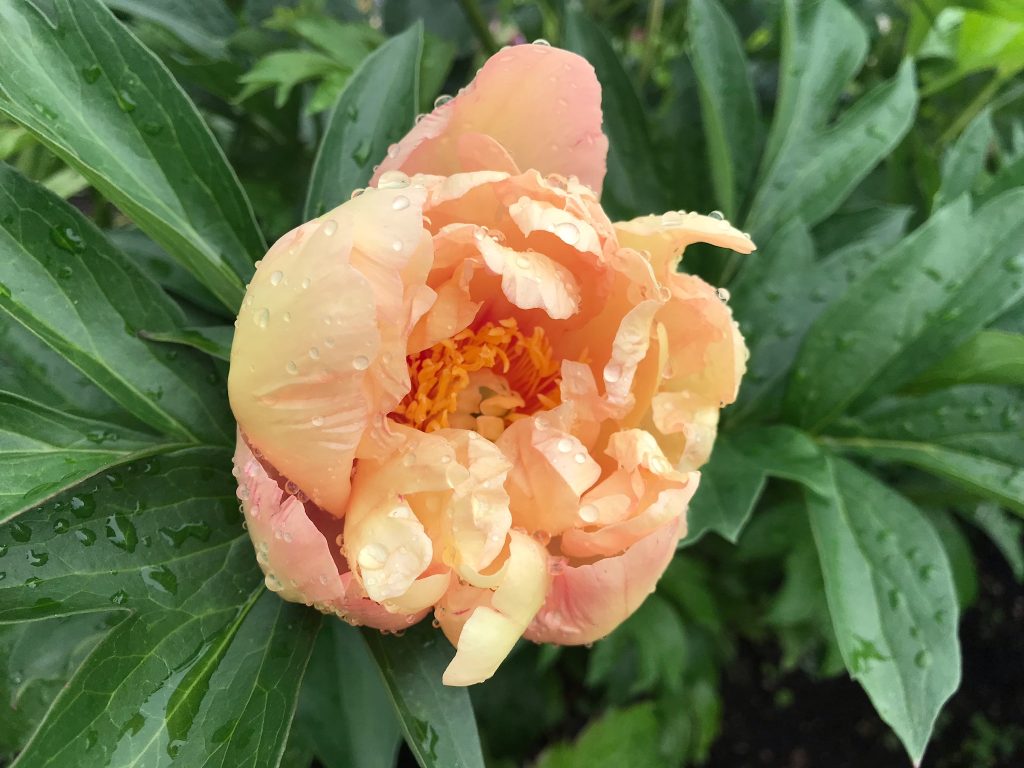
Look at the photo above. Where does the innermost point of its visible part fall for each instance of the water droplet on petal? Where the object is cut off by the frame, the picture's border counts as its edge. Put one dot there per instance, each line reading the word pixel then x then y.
pixel 588 513
pixel 568 232
pixel 261 317
pixel 330 227
pixel 441 100
pixel 372 557
pixel 541 41
pixel 400 203
pixel 565 445
pixel 716 215
pixel 361 363
pixel 314 353
pixel 393 180
pixel 396 246
pixel 276 277
pixel 393 151
pixel 292 368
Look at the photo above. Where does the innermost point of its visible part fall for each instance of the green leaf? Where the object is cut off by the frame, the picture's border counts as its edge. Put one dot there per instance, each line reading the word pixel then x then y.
pixel 437 720
pixel 45 451
pixel 1006 532
pixel 283 70
pixel 213 340
pixel 206 665
pixel 732 481
pixel 344 711
pixel 645 653
pixel 900 294
pixel 883 225
pixel 811 166
pixel 375 110
pixel 619 737
pixel 786 274
pixel 972 436
pixel 97 98
pixel 203 25
pixel 732 121
pixel 991 357
pixel 964 162
pixel 891 597
pixel 37 658
pixel 632 186
pixel 63 281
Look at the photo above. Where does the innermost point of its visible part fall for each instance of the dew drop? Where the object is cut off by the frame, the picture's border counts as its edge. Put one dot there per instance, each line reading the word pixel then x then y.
pixel 393 180
pixel 923 659
pixel 291 367
pixel 393 151
pixel 612 373
pixel 580 458
pixel 361 363
pixel 400 203
pixel 318 421
pixel 276 277
pixel 330 227
pixel 718 215
pixel 314 353
pixel 441 100
pixel 396 246
pixel 568 232
pixel 542 42
pixel 261 317
pixel 588 513
pixel 91 74
pixel 564 445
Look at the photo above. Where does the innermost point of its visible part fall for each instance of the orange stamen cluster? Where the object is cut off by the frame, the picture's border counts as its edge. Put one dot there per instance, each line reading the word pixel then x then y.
pixel 440 373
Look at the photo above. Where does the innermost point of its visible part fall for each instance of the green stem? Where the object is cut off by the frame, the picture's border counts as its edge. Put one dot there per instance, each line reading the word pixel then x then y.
pixel 971 110
pixel 476 20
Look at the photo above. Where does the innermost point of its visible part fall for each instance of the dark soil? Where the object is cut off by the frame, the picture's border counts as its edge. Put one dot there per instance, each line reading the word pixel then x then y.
pixel 798 722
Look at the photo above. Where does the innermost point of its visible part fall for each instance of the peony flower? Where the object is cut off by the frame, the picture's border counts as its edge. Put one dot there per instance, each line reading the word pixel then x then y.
pixel 467 391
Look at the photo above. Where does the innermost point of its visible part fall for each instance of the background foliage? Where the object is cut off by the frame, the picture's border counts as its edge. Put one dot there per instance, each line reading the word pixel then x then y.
pixel 853 510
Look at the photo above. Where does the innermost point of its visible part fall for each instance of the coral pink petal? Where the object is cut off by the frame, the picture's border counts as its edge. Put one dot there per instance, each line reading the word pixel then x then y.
pixel 586 602
pixel 541 104
pixel 531 280
pixel 296 556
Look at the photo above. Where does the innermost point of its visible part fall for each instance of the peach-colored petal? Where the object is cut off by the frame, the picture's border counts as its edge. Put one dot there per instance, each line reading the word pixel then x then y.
pixel 319 345
pixel 537 216
pixel 629 348
pixel 541 104
pixel 485 635
pixel 551 470
pixel 586 602
pixel 296 556
pixel 480 152
pixel 641 496
pixel 665 237
pixel 531 280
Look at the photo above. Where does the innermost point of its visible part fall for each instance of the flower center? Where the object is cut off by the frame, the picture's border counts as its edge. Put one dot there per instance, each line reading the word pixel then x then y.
pixel 481 379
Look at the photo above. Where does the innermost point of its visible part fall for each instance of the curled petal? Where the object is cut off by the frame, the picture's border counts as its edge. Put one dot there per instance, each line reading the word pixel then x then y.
pixel 319 346
pixel 531 280
pixel 665 237
pixel 485 625
pixel 574 231
pixel 296 556
pixel 586 602
pixel 519 95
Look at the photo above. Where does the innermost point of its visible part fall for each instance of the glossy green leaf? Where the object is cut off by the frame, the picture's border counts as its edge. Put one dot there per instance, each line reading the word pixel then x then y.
pixel 732 481
pixel 811 165
pixel 900 293
pixel 619 737
pixel 214 340
pixel 991 357
pixel 881 225
pixel 93 94
pixel 45 451
pixel 345 713
pixel 205 667
pixel 785 274
pixel 732 121
pixel 972 436
pixel 935 291
pixel 375 110
pixel 891 598
pixel 437 720
pixel 964 162
pixel 37 658
pixel 64 282
pixel 203 25
pixel 632 186
pixel 958 551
